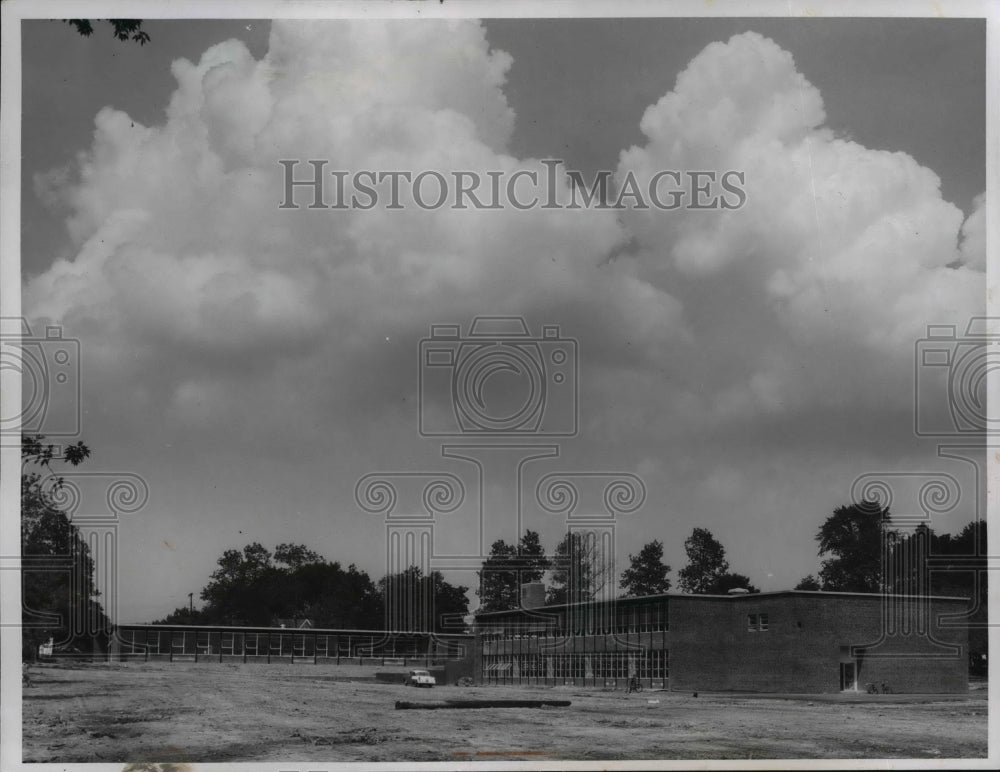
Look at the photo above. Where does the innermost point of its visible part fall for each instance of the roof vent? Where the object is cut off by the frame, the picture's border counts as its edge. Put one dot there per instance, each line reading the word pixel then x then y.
pixel 739 591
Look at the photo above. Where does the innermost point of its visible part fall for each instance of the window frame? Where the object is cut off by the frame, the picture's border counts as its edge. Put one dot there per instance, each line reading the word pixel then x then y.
pixel 758 622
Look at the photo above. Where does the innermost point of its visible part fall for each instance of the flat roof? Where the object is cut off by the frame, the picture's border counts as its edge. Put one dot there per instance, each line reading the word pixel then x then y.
pixel 734 597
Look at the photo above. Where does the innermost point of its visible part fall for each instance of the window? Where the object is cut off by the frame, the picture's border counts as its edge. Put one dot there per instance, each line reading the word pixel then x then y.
pixel 652 664
pixel 658 663
pixel 757 623
pixel 659 617
pixel 610 664
pixel 531 666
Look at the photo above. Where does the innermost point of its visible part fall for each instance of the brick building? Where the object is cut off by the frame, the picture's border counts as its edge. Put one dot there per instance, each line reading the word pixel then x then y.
pixel 791 641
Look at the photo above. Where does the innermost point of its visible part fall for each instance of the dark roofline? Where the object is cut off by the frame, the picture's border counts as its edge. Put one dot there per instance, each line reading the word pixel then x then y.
pixel 734 597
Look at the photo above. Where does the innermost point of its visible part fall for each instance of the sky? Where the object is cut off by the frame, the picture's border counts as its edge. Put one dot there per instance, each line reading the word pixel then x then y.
pixel 750 366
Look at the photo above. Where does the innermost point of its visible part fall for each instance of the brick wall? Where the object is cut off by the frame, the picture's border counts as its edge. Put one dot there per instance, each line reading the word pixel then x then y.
pixel 808 637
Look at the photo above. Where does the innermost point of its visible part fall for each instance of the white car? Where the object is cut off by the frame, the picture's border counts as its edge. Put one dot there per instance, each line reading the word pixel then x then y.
pixel 420 678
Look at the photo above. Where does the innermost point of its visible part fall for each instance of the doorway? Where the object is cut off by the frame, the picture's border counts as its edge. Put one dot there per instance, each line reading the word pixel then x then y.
pixel 848 677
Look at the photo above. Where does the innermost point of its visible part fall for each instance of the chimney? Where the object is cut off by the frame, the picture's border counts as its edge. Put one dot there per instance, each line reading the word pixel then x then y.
pixel 532 595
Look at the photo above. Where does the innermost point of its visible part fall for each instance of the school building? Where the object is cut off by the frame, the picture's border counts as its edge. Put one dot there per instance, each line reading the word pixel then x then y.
pixel 290 644
pixel 792 641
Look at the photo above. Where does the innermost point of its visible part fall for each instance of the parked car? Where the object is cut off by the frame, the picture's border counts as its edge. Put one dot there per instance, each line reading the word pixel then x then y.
pixel 420 678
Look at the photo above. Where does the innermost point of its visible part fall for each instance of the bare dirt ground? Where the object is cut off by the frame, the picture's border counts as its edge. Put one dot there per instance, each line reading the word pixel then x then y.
pixel 211 712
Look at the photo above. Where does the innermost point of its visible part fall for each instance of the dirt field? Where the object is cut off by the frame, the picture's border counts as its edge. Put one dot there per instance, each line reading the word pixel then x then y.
pixel 212 712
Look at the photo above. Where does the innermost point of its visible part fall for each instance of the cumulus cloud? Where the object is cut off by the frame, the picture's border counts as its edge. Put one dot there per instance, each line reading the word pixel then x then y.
pixel 184 254
pixel 839 258
pixel 840 254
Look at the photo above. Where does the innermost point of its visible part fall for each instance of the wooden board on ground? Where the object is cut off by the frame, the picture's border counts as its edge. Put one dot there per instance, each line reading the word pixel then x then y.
pixel 450 704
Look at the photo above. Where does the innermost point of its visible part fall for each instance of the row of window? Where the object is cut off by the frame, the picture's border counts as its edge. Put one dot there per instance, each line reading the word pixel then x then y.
pixel 627 620
pixel 615 665
pixel 585 620
pixel 202 642
pixel 645 664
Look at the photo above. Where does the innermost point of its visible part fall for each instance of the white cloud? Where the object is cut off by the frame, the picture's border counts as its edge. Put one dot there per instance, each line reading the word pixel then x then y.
pixel 837 261
pixel 973 246
pixel 840 254
pixel 184 252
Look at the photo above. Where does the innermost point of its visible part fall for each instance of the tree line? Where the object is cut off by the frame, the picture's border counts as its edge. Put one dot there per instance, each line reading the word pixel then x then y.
pixel 578 570
pixel 259 587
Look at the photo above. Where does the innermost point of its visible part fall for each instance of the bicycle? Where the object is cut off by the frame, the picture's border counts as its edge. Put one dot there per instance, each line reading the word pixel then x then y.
pixel 871 688
pixel 633 685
